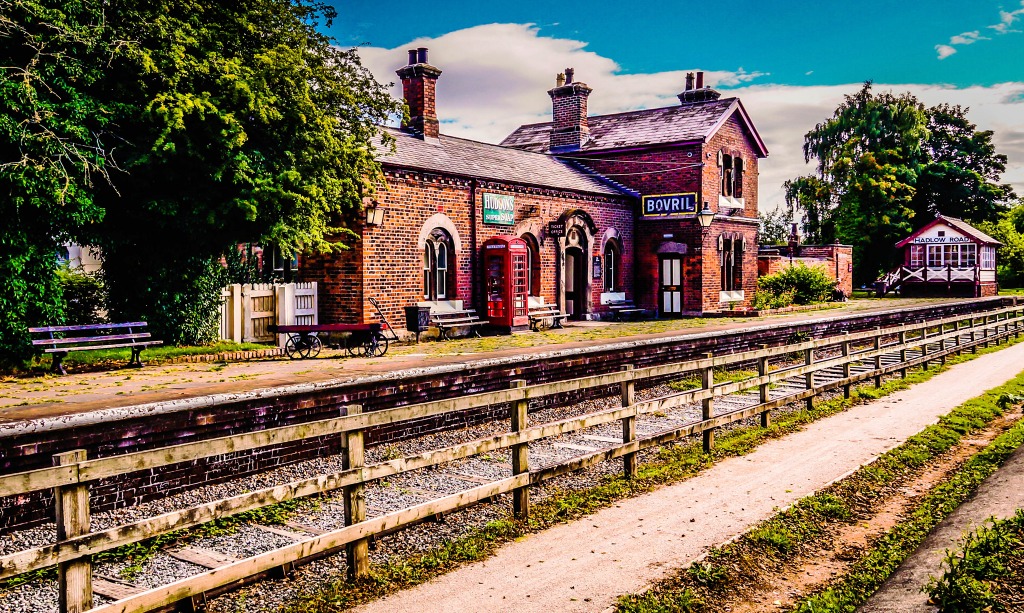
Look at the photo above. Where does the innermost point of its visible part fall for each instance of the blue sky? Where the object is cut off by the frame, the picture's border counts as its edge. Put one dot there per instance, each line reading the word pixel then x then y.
pixel 789 62
pixel 886 41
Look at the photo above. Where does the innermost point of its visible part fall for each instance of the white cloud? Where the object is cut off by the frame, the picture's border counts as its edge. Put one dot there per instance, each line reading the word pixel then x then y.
pixel 967 38
pixel 1007 19
pixel 496 78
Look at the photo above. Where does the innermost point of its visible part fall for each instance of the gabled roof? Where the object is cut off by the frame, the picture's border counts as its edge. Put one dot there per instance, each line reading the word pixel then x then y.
pixel 695 121
pixel 957 224
pixel 467 158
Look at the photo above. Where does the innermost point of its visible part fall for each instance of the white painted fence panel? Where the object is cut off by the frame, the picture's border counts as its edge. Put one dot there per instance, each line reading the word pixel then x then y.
pixel 247 310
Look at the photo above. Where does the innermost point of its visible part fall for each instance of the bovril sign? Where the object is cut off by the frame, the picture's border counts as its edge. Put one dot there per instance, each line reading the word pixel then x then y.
pixel 668 204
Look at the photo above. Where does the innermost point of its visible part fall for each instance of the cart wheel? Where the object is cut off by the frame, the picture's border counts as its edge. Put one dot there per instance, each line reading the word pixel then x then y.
pixel 355 346
pixel 315 345
pixel 292 346
pixel 376 346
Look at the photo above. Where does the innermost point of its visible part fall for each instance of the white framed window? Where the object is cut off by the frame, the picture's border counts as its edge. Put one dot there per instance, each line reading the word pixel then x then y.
pixel 916 256
pixel 611 266
pixel 438 261
pixel 968 255
pixel 988 258
pixel 935 256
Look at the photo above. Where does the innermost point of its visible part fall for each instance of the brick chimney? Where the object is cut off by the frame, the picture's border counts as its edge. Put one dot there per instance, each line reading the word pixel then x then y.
pixel 419 83
pixel 569 130
pixel 700 93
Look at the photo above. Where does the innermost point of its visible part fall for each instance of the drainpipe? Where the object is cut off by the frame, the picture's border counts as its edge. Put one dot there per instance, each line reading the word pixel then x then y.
pixel 476 277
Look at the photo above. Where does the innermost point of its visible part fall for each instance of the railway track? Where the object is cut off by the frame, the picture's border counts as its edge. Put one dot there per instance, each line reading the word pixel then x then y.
pixel 176 559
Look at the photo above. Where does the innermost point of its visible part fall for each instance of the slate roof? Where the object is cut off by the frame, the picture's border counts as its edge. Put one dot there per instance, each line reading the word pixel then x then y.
pixel 474 159
pixel 696 121
pixel 956 224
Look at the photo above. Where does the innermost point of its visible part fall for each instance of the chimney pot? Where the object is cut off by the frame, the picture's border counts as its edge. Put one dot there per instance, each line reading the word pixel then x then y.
pixel 700 79
pixel 569 72
pixel 418 86
pixel 689 81
pixel 560 79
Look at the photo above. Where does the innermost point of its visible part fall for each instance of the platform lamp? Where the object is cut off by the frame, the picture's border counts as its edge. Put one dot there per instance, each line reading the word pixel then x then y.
pixel 374 213
pixel 704 219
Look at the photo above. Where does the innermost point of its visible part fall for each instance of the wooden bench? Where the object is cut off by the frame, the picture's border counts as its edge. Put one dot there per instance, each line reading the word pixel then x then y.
pixel 61 340
pixel 624 308
pixel 447 320
pixel 546 311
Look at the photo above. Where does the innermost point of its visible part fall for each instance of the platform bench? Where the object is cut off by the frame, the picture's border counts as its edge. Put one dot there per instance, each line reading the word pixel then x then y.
pixel 546 311
pixel 61 340
pixel 625 309
pixel 446 321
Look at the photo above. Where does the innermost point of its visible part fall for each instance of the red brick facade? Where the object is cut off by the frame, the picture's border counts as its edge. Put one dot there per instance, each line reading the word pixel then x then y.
pixel 571 206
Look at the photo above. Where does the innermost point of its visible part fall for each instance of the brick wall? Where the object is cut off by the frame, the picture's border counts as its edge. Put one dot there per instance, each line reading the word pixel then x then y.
pixel 832 259
pixel 387 262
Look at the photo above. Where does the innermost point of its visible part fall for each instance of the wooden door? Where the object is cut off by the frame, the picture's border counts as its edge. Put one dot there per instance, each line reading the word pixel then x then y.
pixel 670 285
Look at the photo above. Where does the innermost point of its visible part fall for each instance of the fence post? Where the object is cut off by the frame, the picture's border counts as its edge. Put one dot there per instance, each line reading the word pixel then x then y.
pixel 629 424
pixel 520 455
pixel 959 351
pixel 356 552
pixel 248 332
pixel 988 320
pixel 846 367
pixel 707 381
pixel 974 346
pixel 74 578
pixel 878 357
pixel 809 377
pixel 942 344
pixel 235 311
pixel 762 370
pixel 903 352
pixel 284 307
pixel 924 348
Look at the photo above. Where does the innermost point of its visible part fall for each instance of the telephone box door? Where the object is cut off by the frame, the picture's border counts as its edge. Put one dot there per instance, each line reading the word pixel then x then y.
pixel 505 281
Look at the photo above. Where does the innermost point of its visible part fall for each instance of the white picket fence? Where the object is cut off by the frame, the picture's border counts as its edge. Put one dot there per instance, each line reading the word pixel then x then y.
pixel 247 309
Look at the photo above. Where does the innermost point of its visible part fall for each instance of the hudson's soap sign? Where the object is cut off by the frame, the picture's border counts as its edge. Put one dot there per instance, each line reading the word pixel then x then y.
pixel 669 204
pixel 499 209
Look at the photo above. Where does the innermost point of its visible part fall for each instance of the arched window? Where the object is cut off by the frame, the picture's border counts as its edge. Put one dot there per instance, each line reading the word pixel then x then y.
pixel 532 265
pixel 611 266
pixel 438 262
pixel 725 166
pixel 737 177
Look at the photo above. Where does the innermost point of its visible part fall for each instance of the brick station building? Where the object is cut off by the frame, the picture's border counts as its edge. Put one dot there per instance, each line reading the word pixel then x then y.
pixel 606 206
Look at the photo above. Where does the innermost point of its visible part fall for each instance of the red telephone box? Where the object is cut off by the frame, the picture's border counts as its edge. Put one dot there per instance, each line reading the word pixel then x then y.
pixel 505 281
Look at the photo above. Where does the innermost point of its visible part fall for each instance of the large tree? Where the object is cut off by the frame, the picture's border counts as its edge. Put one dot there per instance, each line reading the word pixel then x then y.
pixel 869 156
pixel 165 132
pixel 243 122
pixel 54 141
pixel 886 166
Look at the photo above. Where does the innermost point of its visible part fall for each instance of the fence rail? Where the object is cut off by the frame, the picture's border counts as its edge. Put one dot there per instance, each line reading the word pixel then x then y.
pixel 904 347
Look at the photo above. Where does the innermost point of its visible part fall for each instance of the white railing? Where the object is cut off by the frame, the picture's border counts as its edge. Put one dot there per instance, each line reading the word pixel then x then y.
pixel 939 274
pixel 248 309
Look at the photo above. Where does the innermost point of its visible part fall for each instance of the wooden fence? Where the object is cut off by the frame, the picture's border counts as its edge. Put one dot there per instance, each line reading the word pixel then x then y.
pixel 906 346
pixel 248 309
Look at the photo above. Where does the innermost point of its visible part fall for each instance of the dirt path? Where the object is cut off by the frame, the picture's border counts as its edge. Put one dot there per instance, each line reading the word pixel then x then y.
pixel 1000 495
pixel 585 565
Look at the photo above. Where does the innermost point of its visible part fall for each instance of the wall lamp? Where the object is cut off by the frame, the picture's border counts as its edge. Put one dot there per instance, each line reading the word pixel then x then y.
pixel 704 219
pixel 374 214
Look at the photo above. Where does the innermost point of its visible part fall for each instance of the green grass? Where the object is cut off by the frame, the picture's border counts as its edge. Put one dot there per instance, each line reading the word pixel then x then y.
pixel 721 376
pixel 153 355
pixel 774 542
pixel 672 464
pixel 986 573
pixel 1011 291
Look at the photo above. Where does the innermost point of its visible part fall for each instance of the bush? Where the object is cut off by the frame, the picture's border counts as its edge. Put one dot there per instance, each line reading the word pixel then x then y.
pixel 808 285
pixel 764 299
pixel 84 296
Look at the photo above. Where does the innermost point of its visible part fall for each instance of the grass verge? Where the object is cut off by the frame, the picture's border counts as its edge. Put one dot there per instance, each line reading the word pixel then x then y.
pixel 673 464
pixel 780 539
pixel 987 572
pixel 106 358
